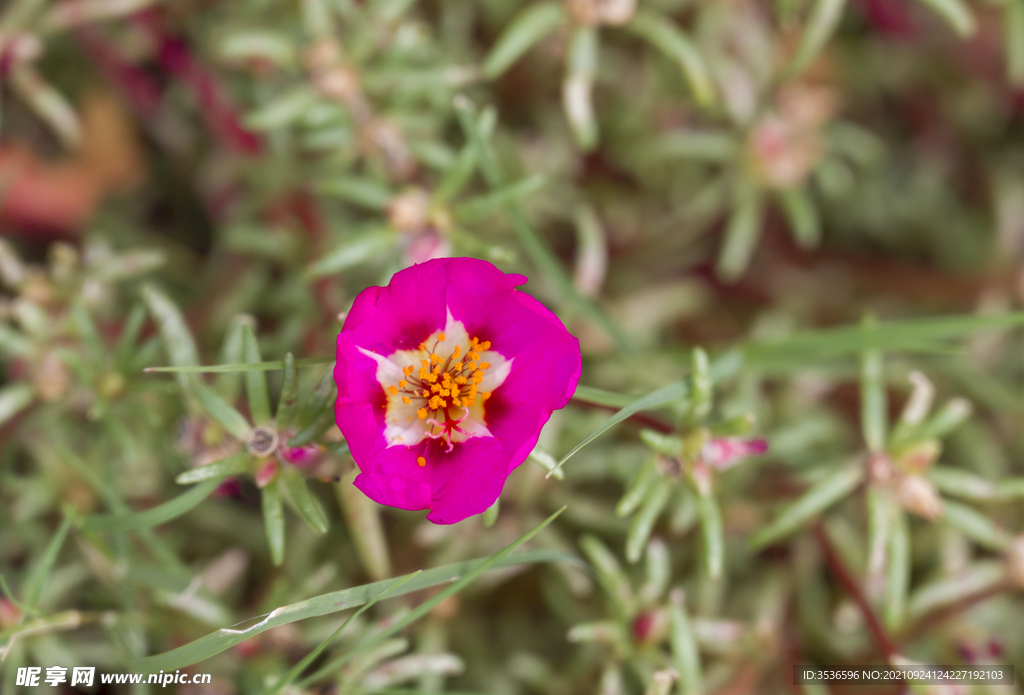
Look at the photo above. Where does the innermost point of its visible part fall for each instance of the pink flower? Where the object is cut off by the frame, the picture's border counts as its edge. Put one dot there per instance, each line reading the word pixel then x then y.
pixel 723 452
pixel 445 379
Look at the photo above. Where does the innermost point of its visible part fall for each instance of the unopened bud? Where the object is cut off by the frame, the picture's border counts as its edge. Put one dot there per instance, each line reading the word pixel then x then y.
pixel 919 496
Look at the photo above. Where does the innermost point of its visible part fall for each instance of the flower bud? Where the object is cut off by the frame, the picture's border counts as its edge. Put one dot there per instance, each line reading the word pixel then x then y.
pixel 918 495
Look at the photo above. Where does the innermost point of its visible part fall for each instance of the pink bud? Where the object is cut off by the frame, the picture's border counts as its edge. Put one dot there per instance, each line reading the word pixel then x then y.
pixel 266 473
pixel 722 452
pixel 300 456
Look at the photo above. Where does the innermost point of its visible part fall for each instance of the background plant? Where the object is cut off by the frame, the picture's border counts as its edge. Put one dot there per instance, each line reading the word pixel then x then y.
pixel 797 221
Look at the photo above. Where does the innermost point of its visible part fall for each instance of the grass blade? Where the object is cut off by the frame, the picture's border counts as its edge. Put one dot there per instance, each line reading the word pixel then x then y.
pixel 526 29
pixel 34 585
pixel 135 521
pixel 325 604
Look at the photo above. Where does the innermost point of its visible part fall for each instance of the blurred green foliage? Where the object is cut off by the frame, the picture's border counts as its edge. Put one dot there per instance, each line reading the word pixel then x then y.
pixel 791 221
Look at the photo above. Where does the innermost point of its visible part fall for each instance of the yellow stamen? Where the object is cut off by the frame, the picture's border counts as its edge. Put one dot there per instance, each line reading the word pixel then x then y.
pixel 406 400
pixel 440 337
pixel 422 412
pixel 421 461
pixel 392 390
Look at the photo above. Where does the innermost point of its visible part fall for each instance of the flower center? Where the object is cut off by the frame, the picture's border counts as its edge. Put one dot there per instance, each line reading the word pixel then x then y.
pixel 438 390
pixel 441 385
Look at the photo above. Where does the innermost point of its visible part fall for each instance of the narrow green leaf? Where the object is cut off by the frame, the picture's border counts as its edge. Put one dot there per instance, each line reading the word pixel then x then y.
pixel 602 397
pixel 33 589
pixel 578 85
pixel 316 428
pixel 305 504
pixel 977 578
pixel 643 522
pixel 722 367
pixel 228 384
pixel 14 398
pixel 429 605
pixel 662 33
pixel 296 670
pixel 897 580
pixel 685 656
pixel 288 404
pixel 354 251
pixel 913 334
pixel 702 396
pixel 281 111
pixel 526 29
pixel 975 526
pixel 610 575
pixel 221 411
pixel 820 27
pixel 325 392
pixel 174 333
pixel 161 514
pixel 960 483
pixel 645 476
pixel 326 604
pixel 711 533
pixel 956 13
pixel 232 465
pixel 481 206
pixel 874 416
pixel 130 332
pixel 816 500
pixel 800 211
pixel 360 191
pixel 255 382
pixel 741 235
pixel 273 521
pixel 257 367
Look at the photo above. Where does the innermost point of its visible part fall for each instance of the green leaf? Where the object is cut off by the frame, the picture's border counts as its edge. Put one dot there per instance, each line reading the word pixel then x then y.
pixel 256 367
pixel 316 428
pixel 222 412
pixel 273 521
pixel 282 110
pixel 307 507
pixel 14 398
pixel 720 368
pixel 702 397
pixel 174 333
pixel 429 605
pixel 578 86
pixel 610 575
pixel 232 465
pixel 255 382
pixel 228 384
pixel 801 213
pixel 354 251
pixel 874 416
pixel 897 580
pixel 976 579
pixel 134 521
pixel 956 13
pixel 890 336
pixel 975 526
pixel 526 29
pixel 602 397
pixel 360 191
pixel 481 206
pixel 643 522
pixel 816 500
pixel 741 234
pixel 130 332
pixel 711 533
pixel 33 589
pixel 820 27
pixel 685 656
pixel 334 602
pixel 662 33
pixel 296 670
pixel 288 404
pixel 645 476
